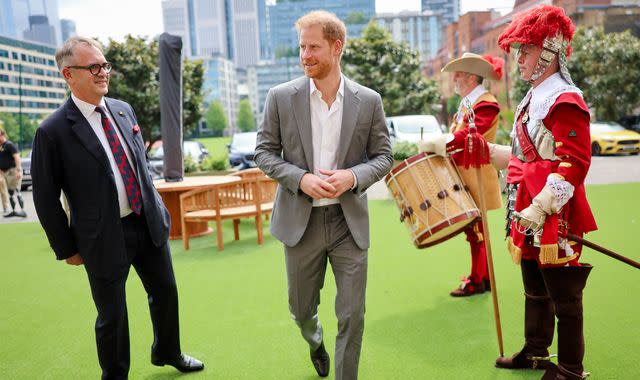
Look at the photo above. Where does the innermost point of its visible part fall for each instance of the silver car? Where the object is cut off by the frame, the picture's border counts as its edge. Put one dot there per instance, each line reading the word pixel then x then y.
pixel 411 128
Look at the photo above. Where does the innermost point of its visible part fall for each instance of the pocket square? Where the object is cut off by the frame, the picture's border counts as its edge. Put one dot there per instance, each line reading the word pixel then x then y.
pixel 136 129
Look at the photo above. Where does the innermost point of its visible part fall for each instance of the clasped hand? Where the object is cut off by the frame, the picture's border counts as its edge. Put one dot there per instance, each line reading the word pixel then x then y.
pixel 337 182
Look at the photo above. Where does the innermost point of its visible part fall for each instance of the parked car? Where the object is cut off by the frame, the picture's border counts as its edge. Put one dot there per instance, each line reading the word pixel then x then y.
pixel 611 138
pixel 409 127
pixel 26 171
pixel 242 149
pixel 195 149
pixel 630 122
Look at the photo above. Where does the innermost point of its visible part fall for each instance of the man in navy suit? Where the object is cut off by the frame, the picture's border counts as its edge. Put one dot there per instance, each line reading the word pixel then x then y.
pixel 91 148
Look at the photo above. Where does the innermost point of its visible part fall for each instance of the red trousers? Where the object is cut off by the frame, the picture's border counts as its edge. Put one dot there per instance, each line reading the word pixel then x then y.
pixel 479 266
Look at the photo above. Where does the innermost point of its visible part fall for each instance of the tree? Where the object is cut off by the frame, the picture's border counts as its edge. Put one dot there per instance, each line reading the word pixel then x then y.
pixel 283 51
pixel 135 80
pixel 605 67
pixel 10 122
pixel 356 18
pixel 192 94
pixel 391 69
pixel 216 119
pixel 246 121
pixel 519 89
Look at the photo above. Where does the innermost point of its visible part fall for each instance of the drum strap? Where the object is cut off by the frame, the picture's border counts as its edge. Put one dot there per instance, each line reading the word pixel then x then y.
pixel 528 149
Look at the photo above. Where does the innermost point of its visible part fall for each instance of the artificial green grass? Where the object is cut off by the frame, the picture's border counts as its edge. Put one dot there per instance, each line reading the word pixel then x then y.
pixel 217 146
pixel 234 314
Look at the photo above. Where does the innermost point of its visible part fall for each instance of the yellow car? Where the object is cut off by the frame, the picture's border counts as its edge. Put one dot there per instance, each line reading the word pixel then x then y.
pixel 612 138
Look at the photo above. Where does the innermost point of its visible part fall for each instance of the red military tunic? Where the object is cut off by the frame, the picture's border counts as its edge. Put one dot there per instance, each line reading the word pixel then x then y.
pixel 486 110
pixel 563 148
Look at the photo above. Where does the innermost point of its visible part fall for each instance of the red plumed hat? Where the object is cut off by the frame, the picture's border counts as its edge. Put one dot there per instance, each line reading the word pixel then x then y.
pixel 497 64
pixel 532 27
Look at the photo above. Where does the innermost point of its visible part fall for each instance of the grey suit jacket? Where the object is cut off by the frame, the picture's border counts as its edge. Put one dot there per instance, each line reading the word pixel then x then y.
pixel 284 152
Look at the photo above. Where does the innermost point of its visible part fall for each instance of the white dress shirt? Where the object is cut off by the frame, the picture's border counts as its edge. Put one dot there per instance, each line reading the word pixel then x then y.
pixel 95 121
pixel 326 124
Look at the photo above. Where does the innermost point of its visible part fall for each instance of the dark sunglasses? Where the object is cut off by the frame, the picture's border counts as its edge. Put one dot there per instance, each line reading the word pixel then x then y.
pixel 95 68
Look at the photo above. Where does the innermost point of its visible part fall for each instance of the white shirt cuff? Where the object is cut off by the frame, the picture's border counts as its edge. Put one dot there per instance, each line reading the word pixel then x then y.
pixel 355 180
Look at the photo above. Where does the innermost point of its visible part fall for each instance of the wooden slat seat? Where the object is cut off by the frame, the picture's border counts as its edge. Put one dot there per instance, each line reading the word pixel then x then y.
pixel 250 197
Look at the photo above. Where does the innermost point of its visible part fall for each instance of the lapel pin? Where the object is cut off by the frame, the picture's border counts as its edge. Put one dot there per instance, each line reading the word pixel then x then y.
pixel 120 113
pixel 136 129
pixel 572 133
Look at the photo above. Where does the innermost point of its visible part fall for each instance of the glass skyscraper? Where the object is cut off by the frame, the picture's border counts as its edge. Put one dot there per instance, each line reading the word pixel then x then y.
pixel 356 14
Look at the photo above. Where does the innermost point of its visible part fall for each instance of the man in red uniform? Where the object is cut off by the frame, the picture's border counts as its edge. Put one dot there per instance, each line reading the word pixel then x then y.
pixel 468 74
pixel 547 164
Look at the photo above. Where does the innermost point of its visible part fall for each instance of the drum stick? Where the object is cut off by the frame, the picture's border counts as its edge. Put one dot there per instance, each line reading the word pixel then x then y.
pixel 492 277
pixel 487 238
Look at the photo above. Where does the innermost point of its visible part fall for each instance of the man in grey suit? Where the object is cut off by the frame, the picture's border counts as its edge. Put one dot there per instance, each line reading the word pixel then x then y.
pixel 324 139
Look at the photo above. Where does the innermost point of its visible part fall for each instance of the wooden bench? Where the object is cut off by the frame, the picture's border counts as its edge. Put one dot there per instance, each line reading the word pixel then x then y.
pixel 249 173
pixel 248 198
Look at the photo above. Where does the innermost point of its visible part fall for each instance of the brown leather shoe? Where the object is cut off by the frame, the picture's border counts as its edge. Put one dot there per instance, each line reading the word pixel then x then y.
pixel 522 360
pixel 320 360
pixel 468 288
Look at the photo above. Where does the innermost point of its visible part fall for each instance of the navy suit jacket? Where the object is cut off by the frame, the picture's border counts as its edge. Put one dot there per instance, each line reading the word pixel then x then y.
pixel 68 156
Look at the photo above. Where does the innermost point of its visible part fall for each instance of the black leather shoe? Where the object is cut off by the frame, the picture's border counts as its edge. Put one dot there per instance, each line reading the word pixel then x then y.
pixel 9 214
pixel 183 363
pixel 320 360
pixel 557 372
pixel 522 360
pixel 468 288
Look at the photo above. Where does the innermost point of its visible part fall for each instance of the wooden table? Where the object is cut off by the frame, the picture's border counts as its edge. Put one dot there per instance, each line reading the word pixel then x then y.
pixel 170 192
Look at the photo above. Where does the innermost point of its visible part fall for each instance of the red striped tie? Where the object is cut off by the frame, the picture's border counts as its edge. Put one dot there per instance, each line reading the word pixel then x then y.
pixel 129 179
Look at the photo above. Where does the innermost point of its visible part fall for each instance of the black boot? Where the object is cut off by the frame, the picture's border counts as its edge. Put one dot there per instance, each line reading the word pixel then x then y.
pixel 539 322
pixel 555 372
pixel 565 285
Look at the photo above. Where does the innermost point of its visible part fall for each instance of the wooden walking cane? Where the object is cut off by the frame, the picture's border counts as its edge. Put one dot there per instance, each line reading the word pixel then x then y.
pixel 478 145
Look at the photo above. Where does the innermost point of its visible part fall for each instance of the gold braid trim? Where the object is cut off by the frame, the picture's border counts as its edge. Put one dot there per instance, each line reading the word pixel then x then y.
pixel 516 253
pixel 548 254
pixel 476 230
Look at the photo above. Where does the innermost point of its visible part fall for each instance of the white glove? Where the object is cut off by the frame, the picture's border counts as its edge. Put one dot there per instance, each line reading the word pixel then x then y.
pixel 500 155
pixel 435 144
pixel 543 204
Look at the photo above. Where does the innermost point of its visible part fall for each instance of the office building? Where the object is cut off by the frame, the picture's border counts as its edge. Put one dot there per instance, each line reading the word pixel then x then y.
pixel 356 14
pixel 29 79
pixel 420 30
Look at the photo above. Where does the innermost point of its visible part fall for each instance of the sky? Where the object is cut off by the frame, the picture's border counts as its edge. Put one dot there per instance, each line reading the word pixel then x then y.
pixel 117 18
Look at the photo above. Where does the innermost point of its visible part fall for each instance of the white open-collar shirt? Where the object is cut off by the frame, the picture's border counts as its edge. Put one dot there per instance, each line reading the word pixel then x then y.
pixel 88 110
pixel 326 124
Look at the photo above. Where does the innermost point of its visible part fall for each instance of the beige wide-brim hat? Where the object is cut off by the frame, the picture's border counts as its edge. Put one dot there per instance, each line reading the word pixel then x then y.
pixel 472 64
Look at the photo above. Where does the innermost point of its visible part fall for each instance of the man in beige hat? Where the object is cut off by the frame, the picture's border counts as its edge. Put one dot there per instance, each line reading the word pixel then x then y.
pixel 469 71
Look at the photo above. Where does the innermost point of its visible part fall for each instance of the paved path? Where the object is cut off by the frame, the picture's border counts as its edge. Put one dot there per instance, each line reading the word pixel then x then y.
pixel 615 169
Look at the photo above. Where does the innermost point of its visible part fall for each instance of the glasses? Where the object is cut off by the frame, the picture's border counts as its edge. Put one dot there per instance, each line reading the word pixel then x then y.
pixel 95 68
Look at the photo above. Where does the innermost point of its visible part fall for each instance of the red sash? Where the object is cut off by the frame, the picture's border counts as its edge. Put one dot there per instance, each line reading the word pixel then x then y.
pixel 528 149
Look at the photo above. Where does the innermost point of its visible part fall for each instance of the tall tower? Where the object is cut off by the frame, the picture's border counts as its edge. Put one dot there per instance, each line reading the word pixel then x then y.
pixel 67 28
pixel 449 10
pixel 245 32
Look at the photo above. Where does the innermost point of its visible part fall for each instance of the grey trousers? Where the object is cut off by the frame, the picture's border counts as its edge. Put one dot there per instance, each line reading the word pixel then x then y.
pixel 327 238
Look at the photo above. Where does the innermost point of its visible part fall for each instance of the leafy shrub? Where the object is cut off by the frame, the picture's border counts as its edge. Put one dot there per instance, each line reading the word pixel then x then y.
pixel 214 163
pixel 403 150
pixel 190 165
